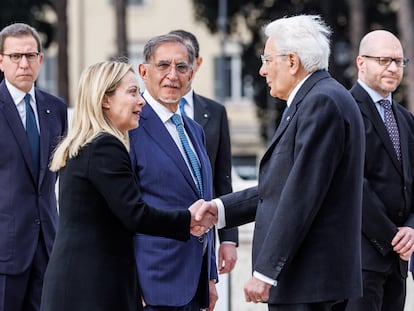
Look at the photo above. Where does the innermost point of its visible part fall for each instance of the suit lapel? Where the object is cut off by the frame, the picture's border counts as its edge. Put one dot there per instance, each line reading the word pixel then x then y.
pixel 155 129
pixel 304 89
pixel 404 142
pixel 43 111
pixel 368 109
pixel 199 146
pixel 12 116
pixel 201 110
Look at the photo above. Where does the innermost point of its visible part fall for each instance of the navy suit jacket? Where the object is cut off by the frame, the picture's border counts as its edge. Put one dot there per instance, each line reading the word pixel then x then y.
pixel 27 206
pixel 169 270
pixel 212 117
pixel 388 201
pixel 307 205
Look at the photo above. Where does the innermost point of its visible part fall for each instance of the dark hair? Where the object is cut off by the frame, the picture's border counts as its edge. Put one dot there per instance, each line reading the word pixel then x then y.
pixel 19 30
pixel 188 36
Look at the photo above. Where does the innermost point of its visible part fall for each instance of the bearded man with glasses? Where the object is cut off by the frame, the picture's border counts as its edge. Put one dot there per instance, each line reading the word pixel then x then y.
pixel 388 202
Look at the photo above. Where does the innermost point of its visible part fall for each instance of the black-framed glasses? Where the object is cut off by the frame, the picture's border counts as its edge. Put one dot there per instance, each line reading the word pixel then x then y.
pixel 266 58
pixel 17 57
pixel 386 61
pixel 166 67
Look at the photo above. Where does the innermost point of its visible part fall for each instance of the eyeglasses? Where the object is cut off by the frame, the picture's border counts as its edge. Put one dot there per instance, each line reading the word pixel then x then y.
pixel 17 57
pixel 166 67
pixel 386 61
pixel 267 58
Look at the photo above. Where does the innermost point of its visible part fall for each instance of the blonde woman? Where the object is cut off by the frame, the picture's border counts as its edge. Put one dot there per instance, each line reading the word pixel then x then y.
pixel 92 265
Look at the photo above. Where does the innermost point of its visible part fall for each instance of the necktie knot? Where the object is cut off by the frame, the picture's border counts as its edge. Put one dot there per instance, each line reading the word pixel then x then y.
pixel 385 103
pixel 176 120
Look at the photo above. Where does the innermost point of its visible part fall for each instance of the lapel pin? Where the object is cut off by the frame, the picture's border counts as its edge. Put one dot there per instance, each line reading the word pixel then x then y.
pixel 47 111
pixel 205 116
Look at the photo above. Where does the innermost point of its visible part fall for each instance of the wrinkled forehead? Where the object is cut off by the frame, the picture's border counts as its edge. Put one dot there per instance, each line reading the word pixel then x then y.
pixel 172 52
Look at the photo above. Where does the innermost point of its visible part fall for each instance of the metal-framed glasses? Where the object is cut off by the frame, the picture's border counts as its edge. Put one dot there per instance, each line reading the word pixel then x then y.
pixel 267 58
pixel 17 57
pixel 386 61
pixel 166 67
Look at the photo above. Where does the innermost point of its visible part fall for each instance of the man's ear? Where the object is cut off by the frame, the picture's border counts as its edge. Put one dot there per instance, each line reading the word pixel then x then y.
pixel 199 61
pixel 143 71
pixel 294 62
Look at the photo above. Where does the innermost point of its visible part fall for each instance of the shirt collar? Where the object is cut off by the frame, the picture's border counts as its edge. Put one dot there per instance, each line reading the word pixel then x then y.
pixel 17 94
pixel 375 96
pixel 189 97
pixel 295 91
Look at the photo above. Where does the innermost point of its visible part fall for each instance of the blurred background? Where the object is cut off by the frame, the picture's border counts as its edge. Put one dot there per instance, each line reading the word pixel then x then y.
pixel 77 33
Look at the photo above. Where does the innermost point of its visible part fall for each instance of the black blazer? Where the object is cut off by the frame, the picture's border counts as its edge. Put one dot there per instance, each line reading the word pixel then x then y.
pixel 212 117
pixel 388 184
pixel 307 205
pixel 92 266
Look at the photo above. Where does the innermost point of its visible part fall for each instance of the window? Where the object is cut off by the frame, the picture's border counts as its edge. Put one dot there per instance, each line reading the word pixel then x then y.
pixel 47 79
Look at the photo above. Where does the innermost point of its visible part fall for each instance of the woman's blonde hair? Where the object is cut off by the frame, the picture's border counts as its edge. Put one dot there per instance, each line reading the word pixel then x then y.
pixel 88 119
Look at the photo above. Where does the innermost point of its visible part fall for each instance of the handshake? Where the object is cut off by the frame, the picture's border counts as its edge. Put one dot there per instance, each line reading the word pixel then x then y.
pixel 204 215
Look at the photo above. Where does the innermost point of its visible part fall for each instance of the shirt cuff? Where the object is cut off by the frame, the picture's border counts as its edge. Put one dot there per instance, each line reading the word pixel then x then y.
pixel 264 278
pixel 229 242
pixel 221 223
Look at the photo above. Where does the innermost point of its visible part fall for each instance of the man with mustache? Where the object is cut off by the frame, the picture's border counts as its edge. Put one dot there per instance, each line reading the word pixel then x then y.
pixel 171 163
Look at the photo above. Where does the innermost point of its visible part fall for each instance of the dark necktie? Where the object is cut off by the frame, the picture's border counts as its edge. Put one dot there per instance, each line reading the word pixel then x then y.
pixel 32 135
pixel 191 157
pixel 391 125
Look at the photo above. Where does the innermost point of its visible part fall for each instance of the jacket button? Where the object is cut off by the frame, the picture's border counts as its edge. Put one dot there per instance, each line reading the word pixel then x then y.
pixel 201 239
pixel 37 221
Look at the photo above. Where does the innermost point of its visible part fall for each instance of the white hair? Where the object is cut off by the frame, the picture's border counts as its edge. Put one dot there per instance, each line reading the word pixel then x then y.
pixel 305 35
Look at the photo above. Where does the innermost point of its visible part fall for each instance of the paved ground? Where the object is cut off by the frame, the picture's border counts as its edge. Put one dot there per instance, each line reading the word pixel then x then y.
pixel 232 298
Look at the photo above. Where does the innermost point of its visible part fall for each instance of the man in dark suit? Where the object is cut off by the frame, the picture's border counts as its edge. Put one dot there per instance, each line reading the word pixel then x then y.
pixel 307 205
pixel 387 210
pixel 28 212
pixel 172 274
pixel 212 117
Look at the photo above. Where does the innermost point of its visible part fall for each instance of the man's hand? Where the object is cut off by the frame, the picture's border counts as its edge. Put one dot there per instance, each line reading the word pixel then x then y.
pixel 201 222
pixel 227 257
pixel 256 290
pixel 403 242
pixel 206 207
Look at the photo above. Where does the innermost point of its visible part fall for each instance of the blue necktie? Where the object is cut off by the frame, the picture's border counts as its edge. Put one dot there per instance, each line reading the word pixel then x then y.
pixel 391 125
pixel 32 135
pixel 181 105
pixel 191 157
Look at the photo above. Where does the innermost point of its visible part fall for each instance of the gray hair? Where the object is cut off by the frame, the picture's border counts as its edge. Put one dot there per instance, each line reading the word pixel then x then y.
pixel 155 42
pixel 305 35
pixel 19 30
